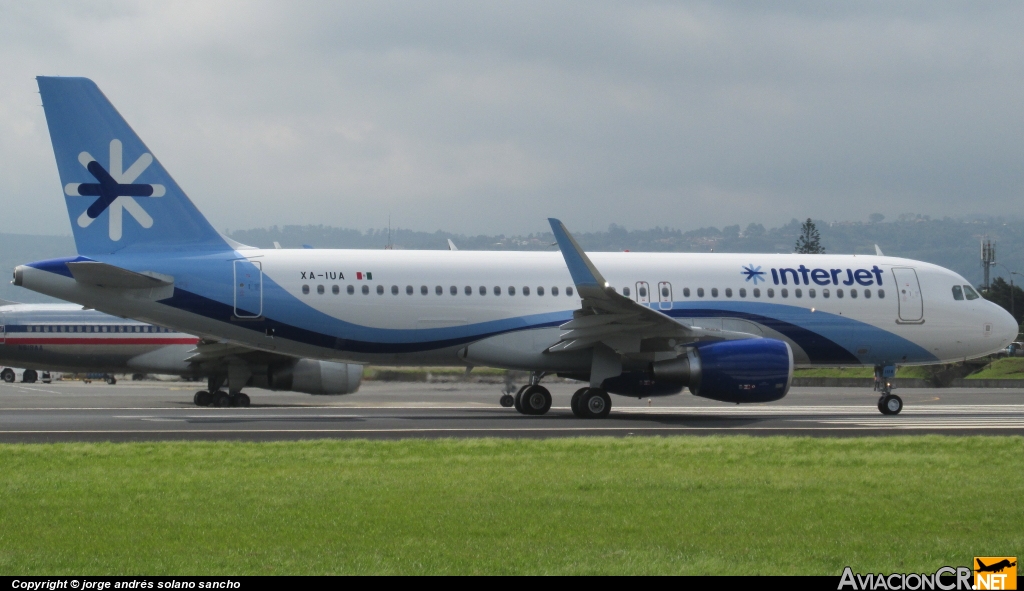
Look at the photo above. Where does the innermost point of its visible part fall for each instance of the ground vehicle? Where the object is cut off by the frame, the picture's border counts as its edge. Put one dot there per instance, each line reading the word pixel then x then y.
pixel 28 376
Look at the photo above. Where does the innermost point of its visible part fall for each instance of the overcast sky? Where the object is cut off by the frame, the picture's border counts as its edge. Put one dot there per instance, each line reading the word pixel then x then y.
pixel 488 117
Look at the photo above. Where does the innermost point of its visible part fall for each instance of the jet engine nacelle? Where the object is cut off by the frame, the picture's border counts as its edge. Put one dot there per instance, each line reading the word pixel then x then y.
pixel 316 377
pixel 748 370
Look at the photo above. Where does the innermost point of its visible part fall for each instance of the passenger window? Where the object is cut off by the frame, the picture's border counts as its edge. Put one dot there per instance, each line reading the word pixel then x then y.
pixel 757 292
pixel 350 289
pixel 540 290
pixel 453 290
pixel 867 293
pixel 625 291
pixel 366 290
pixel 320 289
pixel 839 293
pixel 335 289
pixel 497 290
pixel 554 291
pixel 380 290
pixel 438 289
pixel 728 292
pixel 785 292
pixel 881 294
pixel 798 293
pixel 394 290
pixel 408 290
pixel 686 292
pixel 743 292
pixel 511 290
pixel 853 293
pixel 824 293
pixel 568 291
pixel 771 292
pixel 424 290
pixel 969 293
pixel 664 292
pixel 700 292
pixel 810 293
pixel 526 291
pixel 714 292
pixel 469 290
pixel 483 290
pixel 305 289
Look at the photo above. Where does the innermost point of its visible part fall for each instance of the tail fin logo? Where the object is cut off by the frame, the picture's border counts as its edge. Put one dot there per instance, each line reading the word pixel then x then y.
pixel 115 190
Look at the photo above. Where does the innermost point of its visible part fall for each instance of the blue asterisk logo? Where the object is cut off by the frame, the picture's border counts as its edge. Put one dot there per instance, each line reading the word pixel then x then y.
pixel 753 273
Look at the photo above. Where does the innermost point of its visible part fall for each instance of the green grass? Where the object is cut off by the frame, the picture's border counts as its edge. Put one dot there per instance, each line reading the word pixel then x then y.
pixel 638 505
pixel 1007 368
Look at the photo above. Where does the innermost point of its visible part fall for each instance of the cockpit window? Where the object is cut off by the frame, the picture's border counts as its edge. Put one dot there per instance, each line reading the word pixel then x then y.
pixel 970 293
pixel 958 292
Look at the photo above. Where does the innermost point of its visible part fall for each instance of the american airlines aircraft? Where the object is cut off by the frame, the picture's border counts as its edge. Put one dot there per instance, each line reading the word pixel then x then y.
pixel 730 327
pixel 64 337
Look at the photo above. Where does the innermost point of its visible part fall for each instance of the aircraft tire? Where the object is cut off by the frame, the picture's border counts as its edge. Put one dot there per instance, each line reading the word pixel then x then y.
pixel 595 404
pixel 110 380
pixel 518 400
pixel 891 405
pixel 30 376
pixel 240 400
pixel 574 404
pixel 535 401
pixel 8 376
pixel 507 401
pixel 202 398
pixel 221 400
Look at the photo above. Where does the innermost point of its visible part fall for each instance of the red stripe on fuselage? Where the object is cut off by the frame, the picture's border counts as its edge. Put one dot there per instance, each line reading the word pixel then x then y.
pixel 101 341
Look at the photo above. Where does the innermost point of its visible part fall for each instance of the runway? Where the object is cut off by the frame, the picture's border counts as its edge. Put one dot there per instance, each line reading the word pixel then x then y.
pixel 151 411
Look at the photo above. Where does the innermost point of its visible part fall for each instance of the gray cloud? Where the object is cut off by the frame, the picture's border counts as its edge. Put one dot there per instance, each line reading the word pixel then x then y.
pixel 487 117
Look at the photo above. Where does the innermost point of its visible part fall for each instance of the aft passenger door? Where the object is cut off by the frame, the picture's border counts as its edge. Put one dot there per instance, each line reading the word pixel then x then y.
pixel 909 295
pixel 248 288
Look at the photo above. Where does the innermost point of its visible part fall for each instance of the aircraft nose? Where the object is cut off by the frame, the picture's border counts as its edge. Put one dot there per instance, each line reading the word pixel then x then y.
pixel 1006 327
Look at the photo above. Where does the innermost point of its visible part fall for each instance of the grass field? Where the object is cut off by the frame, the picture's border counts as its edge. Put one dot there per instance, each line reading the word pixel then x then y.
pixel 1007 368
pixel 637 505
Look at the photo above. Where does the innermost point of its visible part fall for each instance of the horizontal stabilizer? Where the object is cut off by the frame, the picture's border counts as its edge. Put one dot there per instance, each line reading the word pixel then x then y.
pixel 104 275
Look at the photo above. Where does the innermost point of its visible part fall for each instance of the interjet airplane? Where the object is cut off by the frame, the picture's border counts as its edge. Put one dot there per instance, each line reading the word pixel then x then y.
pixel 730 327
pixel 64 337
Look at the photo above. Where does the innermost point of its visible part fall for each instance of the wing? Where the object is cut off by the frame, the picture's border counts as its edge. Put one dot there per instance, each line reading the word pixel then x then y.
pixel 606 316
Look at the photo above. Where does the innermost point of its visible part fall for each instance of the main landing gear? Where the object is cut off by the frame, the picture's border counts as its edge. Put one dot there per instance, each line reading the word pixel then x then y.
pixel 591 403
pixel 214 396
pixel 535 400
pixel 220 398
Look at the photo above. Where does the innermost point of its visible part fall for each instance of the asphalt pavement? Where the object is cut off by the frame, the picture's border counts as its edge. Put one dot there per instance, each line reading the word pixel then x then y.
pixel 152 410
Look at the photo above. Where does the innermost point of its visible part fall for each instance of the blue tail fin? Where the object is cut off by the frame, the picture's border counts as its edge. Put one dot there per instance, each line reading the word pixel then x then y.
pixel 118 195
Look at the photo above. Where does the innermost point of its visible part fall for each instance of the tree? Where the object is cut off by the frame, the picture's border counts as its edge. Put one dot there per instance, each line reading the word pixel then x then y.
pixel 876 217
pixel 809 241
pixel 1012 300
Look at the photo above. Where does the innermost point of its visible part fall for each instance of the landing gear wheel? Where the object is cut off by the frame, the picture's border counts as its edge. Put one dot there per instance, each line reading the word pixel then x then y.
pixel 221 400
pixel 574 404
pixel 518 400
pixel 890 404
pixel 202 398
pixel 507 401
pixel 535 400
pixel 595 404
pixel 7 375
pixel 110 379
pixel 240 400
pixel 30 376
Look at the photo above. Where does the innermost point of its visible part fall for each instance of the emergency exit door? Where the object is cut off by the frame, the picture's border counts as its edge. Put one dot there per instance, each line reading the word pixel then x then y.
pixel 248 288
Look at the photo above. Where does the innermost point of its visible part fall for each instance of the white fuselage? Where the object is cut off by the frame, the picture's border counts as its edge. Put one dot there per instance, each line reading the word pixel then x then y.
pixel 298 302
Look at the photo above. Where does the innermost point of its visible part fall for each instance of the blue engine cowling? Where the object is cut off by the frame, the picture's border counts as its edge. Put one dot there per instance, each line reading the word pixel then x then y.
pixel 748 370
